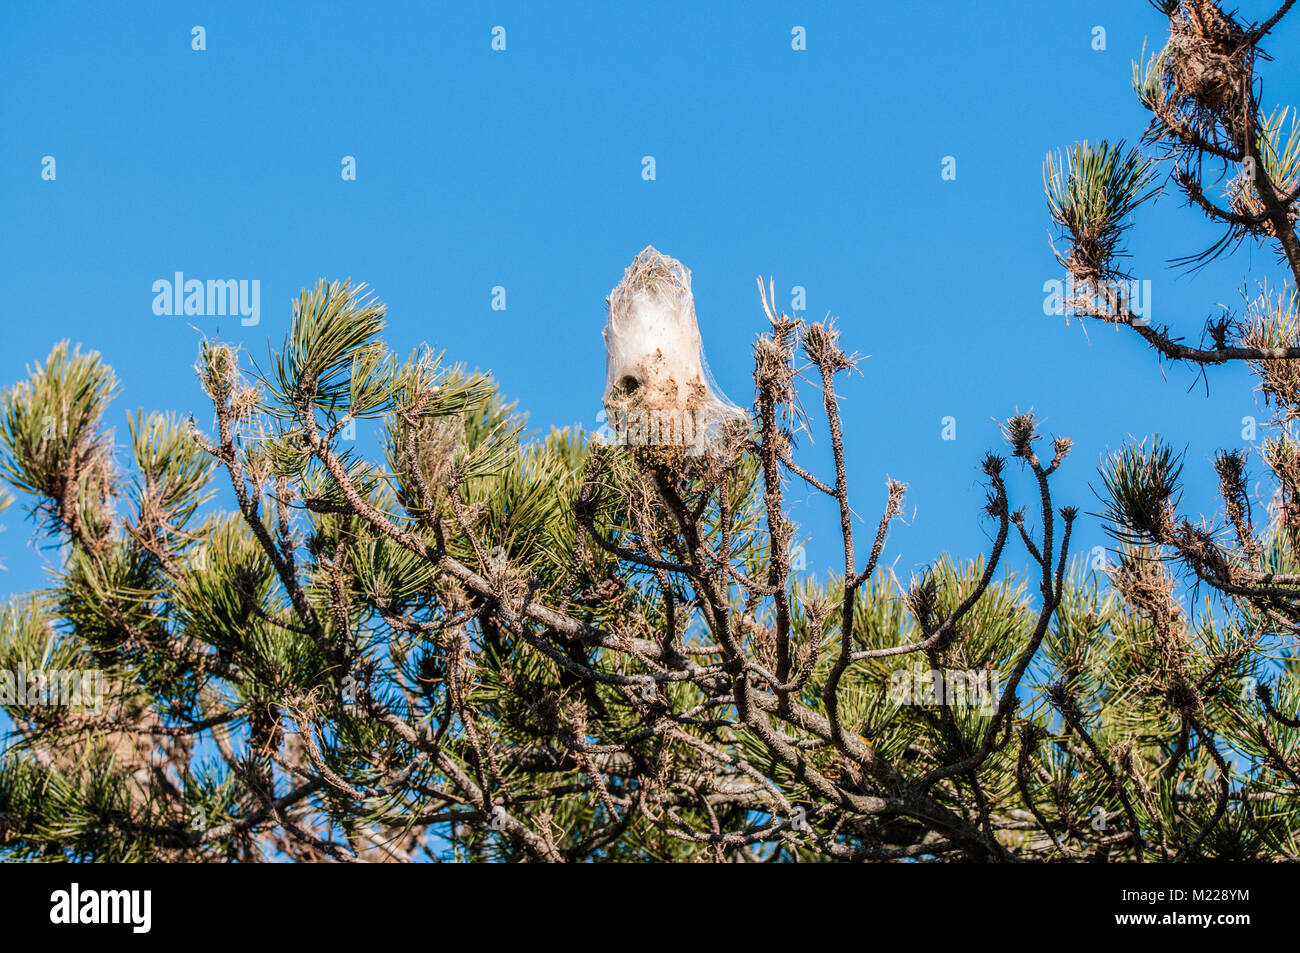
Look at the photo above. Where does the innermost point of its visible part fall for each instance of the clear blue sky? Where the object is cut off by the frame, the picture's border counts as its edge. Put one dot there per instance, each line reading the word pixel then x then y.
pixel 522 169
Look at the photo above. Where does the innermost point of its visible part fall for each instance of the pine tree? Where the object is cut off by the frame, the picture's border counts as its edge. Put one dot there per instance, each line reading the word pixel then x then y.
pixel 1204 728
pixel 484 645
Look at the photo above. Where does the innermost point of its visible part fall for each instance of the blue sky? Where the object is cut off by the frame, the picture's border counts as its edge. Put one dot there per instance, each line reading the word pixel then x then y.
pixel 522 169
